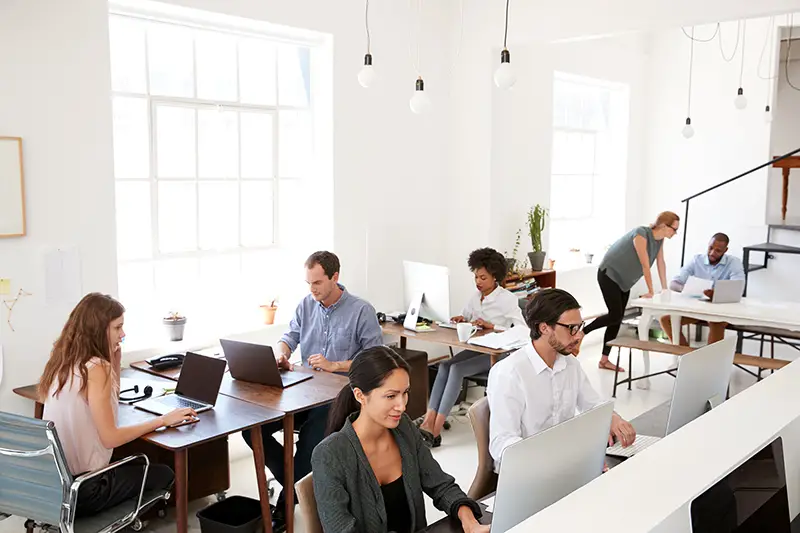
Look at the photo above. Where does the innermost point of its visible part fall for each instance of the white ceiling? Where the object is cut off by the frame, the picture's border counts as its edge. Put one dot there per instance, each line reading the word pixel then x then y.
pixel 549 20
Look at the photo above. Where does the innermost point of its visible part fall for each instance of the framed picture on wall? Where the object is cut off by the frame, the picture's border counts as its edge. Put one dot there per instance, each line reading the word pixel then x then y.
pixel 12 188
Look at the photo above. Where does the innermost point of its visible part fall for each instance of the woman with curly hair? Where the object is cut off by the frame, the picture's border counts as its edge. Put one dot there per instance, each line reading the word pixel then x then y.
pixel 80 387
pixel 489 307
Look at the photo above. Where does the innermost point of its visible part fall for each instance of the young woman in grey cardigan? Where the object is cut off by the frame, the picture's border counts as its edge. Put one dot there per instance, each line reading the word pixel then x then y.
pixel 370 472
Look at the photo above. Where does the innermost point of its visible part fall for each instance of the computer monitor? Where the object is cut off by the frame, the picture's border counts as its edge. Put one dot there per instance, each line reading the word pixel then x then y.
pixel 433 282
pixel 540 470
pixel 702 382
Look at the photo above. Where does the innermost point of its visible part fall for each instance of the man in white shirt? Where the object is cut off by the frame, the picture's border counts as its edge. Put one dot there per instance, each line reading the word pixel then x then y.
pixel 542 384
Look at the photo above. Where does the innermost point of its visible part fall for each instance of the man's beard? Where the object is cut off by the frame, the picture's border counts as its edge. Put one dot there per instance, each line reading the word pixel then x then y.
pixel 563 349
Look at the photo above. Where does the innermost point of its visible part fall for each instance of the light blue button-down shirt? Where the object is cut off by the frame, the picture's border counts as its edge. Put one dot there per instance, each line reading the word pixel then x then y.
pixel 337 332
pixel 728 267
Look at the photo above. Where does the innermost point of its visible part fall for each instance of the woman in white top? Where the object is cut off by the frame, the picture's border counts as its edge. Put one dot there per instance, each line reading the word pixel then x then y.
pixel 491 305
pixel 80 385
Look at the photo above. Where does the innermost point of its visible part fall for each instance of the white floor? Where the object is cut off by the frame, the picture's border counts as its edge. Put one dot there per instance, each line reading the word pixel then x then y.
pixel 458 454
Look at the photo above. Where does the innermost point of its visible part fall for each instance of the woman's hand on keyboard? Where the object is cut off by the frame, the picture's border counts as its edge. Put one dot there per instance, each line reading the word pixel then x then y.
pixel 177 416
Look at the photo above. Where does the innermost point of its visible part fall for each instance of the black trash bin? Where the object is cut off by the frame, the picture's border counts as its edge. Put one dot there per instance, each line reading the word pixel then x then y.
pixel 236 514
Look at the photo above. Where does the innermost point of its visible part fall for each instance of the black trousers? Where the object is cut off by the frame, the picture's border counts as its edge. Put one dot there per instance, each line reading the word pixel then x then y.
pixel 123 483
pixel 312 425
pixel 616 300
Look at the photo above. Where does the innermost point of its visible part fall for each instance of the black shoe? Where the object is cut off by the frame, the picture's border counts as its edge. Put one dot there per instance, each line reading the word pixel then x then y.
pixel 437 441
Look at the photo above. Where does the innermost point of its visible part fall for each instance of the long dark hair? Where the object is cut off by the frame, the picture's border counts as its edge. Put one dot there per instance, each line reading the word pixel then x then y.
pixel 369 371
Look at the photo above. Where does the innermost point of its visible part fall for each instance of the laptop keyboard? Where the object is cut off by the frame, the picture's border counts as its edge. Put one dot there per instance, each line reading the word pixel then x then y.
pixel 641 442
pixel 179 402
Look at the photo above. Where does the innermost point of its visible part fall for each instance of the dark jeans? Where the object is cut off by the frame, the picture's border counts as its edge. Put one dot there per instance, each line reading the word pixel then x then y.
pixel 311 424
pixel 616 300
pixel 121 484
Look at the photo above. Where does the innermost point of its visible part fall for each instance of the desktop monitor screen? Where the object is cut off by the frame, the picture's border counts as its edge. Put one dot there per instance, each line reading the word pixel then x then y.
pixel 433 282
pixel 750 499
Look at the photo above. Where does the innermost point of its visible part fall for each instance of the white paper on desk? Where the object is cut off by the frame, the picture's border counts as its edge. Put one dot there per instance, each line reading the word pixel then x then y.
pixel 695 286
pixel 515 337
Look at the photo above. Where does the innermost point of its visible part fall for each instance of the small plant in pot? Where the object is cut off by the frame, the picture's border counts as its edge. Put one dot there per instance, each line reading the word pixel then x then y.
pixel 175 324
pixel 511 262
pixel 268 311
pixel 536 221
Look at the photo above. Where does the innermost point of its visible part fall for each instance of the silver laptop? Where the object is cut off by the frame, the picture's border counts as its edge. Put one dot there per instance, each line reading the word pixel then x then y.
pixel 728 291
pixel 542 469
pixel 198 386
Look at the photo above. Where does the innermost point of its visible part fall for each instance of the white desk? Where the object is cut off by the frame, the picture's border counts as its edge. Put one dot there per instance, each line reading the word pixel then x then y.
pixel 748 312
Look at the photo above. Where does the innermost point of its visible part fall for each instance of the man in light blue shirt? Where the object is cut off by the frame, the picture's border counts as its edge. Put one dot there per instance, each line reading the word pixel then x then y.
pixel 714 265
pixel 331 326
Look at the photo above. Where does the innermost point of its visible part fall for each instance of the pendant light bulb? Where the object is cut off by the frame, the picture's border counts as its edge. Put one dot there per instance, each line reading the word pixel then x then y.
pixel 420 103
pixel 767 115
pixel 504 76
pixel 688 130
pixel 741 100
pixel 367 75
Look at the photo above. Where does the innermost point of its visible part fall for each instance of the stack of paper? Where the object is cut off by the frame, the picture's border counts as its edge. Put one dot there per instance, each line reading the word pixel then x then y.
pixel 695 286
pixel 510 339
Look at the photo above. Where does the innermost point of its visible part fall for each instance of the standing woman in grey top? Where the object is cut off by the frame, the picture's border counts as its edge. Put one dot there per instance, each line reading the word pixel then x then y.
pixel 624 264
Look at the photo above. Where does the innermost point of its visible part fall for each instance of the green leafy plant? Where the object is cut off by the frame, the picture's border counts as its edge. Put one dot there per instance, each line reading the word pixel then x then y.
pixel 517 240
pixel 536 222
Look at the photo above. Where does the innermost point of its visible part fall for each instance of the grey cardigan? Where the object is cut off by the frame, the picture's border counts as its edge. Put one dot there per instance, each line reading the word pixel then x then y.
pixel 349 499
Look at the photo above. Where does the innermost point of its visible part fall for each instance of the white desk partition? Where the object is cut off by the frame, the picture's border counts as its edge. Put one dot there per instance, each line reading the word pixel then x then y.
pixel 653 491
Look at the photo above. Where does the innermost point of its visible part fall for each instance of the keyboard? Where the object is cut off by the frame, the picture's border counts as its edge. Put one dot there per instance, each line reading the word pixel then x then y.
pixel 641 442
pixel 448 325
pixel 179 402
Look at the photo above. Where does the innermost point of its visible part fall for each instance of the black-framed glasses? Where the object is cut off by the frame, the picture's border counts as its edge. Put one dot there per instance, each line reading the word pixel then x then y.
pixel 673 228
pixel 574 329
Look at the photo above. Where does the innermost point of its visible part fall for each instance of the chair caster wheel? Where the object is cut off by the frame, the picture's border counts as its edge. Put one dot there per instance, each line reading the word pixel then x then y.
pixel 446 425
pixel 271 492
pixel 138 525
pixel 162 513
pixel 221 496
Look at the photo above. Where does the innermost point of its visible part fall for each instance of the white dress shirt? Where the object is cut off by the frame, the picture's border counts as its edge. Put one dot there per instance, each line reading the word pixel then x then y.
pixel 500 307
pixel 526 397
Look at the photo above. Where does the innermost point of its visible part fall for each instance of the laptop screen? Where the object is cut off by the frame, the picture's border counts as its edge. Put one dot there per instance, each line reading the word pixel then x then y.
pixel 200 378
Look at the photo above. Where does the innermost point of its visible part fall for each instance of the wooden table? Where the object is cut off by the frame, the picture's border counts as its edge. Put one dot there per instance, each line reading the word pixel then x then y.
pixel 438 335
pixel 786 164
pixel 320 390
pixel 229 415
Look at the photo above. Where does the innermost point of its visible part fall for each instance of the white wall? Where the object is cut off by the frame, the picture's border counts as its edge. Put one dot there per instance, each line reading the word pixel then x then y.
pixel 389 165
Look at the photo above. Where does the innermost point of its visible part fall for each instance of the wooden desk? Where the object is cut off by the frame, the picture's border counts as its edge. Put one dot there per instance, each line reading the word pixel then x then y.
pixel 320 390
pixel 228 416
pixel 546 279
pixel 786 165
pixel 438 335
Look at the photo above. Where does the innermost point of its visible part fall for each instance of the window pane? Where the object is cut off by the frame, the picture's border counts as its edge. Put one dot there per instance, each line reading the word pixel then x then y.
pixel 295 143
pixel 257 213
pixel 133 220
pixel 170 57
pixel 136 286
pixel 131 138
pixel 571 196
pixel 256 145
pixel 223 271
pixel 177 216
pixel 176 284
pixel 176 142
pixel 218 143
pixel 268 273
pixel 294 83
pixel 128 49
pixel 292 219
pixel 216 66
pixel 219 215
pixel 257 72
pixel 573 153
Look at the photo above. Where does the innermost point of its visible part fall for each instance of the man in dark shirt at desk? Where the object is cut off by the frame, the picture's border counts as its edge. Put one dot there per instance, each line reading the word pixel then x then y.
pixel 331 326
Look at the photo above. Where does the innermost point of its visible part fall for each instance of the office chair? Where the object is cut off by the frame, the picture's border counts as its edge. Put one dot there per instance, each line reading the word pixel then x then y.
pixel 308 504
pixel 485 481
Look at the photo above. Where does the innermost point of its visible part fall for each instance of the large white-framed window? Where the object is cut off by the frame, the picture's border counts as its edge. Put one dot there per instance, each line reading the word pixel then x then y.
pixel 588 167
pixel 216 145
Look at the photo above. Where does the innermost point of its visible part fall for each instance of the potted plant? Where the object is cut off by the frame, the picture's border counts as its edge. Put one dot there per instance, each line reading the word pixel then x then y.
pixel 536 222
pixel 511 262
pixel 175 324
pixel 268 311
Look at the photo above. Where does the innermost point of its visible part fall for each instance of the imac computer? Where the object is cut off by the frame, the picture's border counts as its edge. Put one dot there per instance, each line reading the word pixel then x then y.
pixel 426 293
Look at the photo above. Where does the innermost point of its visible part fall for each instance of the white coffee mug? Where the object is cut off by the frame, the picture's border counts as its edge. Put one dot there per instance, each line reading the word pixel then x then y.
pixel 465 330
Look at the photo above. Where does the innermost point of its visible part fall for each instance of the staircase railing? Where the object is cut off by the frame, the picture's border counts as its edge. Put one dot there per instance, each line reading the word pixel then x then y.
pixel 717 186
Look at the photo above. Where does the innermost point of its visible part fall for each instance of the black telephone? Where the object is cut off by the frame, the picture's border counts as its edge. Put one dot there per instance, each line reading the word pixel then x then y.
pixel 165 362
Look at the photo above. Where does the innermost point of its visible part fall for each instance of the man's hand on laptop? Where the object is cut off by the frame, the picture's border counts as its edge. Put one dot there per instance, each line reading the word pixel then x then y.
pixel 283 362
pixel 318 362
pixel 178 416
pixel 622 431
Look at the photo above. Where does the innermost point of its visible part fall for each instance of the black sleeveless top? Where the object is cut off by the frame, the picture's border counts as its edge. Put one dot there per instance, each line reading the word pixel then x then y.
pixel 398 516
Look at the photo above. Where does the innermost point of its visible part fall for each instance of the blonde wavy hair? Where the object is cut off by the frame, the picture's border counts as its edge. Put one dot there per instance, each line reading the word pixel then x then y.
pixel 84 337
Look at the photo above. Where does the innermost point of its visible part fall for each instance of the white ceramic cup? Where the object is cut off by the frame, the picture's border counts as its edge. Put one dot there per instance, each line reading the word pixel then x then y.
pixel 465 330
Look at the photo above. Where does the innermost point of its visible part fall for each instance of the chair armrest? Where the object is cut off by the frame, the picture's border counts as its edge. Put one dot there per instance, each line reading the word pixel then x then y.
pixel 76 484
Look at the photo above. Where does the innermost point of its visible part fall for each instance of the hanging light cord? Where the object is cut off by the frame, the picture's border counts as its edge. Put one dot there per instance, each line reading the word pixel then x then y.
pixel 744 36
pixel 735 48
pixel 505 33
pixel 691 63
pixel 788 56
pixel 366 25
pixel 716 31
pixel 460 40
pixel 771 40
pixel 415 64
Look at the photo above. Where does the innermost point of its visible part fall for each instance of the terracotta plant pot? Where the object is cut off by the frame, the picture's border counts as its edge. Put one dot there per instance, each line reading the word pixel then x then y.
pixel 268 313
